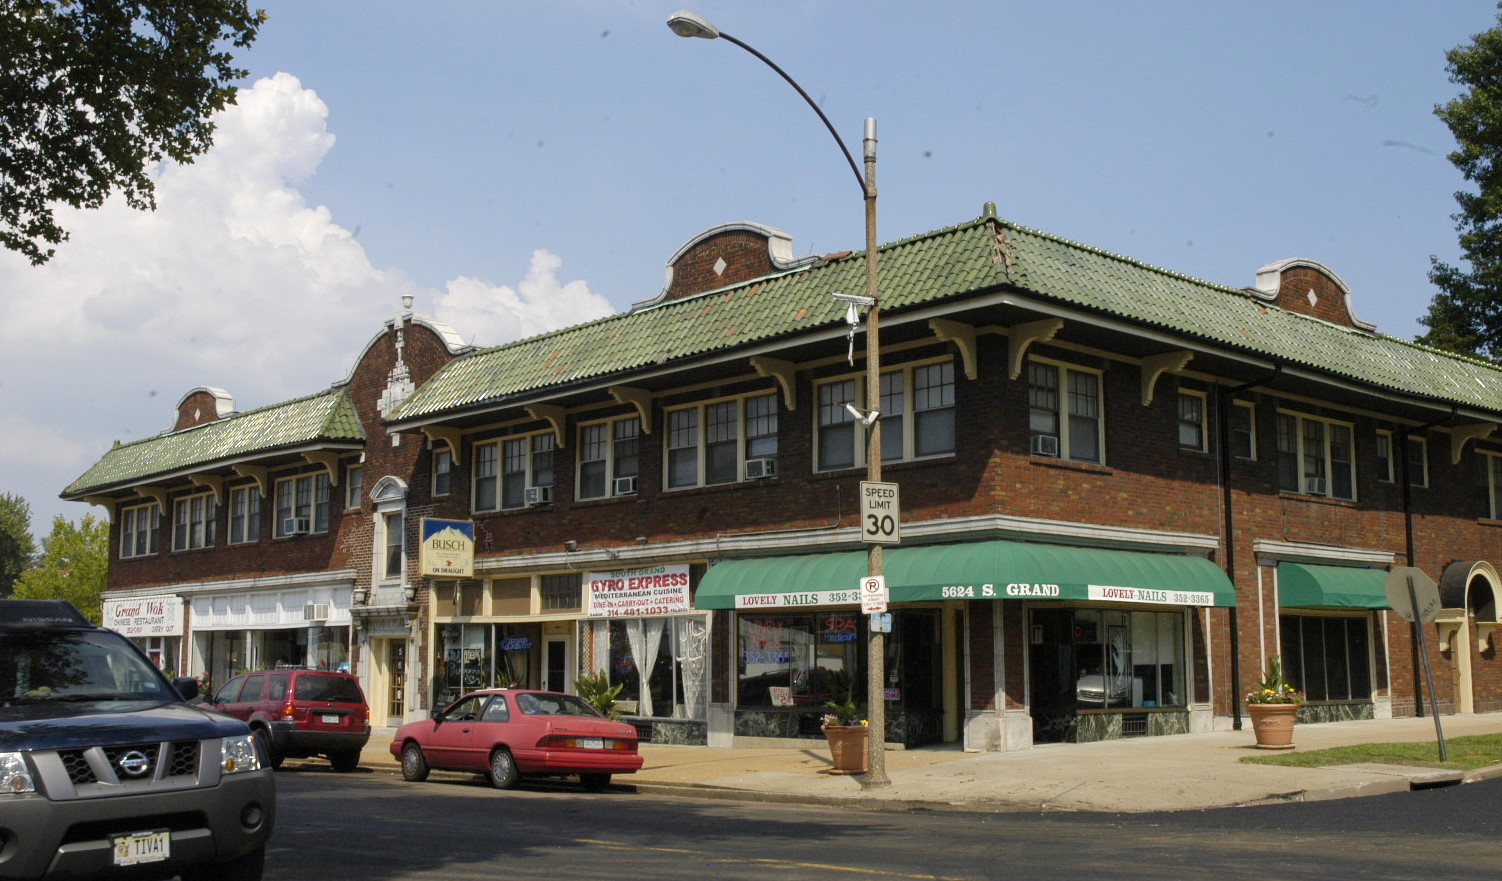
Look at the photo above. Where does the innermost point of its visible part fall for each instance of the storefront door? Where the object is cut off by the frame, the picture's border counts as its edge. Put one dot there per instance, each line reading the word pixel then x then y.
pixel 557 671
pixel 1052 674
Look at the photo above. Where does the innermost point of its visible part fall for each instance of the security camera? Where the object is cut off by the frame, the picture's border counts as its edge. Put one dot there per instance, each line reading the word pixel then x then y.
pixel 857 299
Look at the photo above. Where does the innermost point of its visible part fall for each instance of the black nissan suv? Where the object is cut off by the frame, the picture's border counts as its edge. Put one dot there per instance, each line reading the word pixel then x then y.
pixel 106 771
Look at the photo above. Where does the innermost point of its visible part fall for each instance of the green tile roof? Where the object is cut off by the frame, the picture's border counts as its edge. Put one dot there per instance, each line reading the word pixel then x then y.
pixel 986 253
pixel 325 417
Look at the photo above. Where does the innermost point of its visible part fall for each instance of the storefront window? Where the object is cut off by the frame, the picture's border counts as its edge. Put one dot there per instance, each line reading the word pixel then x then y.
pixel 484 656
pixel 1326 657
pixel 1128 659
pixel 789 660
pixel 674 678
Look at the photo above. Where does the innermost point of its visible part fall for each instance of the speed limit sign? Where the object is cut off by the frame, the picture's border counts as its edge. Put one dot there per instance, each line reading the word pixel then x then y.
pixel 881 522
pixel 873 595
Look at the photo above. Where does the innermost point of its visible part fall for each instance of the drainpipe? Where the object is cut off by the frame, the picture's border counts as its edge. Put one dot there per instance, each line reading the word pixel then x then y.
pixel 1223 418
pixel 1413 640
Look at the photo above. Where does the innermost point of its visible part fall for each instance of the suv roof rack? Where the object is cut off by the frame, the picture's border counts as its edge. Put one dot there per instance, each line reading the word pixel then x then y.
pixel 41 613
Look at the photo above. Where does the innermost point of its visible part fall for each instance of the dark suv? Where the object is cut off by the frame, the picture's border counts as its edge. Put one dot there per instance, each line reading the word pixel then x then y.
pixel 104 769
pixel 301 713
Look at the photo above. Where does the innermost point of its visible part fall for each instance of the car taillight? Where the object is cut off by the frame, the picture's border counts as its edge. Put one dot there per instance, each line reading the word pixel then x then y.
pixel 562 741
pixel 288 711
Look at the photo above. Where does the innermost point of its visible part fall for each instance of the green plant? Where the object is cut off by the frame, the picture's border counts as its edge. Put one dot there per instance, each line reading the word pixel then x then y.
pixel 596 690
pixel 843 710
pixel 1273 689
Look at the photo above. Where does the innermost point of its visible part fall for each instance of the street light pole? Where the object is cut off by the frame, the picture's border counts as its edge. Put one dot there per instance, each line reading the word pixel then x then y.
pixel 687 24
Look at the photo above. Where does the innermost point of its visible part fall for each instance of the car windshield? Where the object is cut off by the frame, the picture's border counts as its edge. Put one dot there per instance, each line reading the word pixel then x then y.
pixel 336 689
pixel 38 666
pixel 554 705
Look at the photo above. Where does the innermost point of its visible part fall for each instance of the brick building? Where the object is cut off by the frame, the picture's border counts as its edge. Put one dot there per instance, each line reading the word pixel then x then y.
pixel 1122 491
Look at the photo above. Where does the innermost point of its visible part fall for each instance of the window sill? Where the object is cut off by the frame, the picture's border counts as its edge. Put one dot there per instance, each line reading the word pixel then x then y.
pixel 1070 465
pixel 1489 521
pixel 1317 500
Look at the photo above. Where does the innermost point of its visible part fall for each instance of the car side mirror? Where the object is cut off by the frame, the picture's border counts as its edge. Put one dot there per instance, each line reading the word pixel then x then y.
pixel 186 686
pixel 437 715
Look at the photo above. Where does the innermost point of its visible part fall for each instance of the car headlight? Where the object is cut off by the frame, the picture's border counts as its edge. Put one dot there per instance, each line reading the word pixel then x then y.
pixel 13 774
pixel 239 754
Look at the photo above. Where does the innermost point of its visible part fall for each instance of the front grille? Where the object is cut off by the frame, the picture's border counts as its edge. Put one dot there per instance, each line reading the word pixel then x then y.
pixel 113 764
pixel 181 821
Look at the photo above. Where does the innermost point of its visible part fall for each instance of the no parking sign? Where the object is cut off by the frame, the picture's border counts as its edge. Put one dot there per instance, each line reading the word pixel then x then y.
pixel 873 594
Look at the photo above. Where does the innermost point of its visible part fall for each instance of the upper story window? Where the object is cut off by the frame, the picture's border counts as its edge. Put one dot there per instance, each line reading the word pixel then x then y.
pixel 1243 427
pixel 302 504
pixel 1491 484
pixel 195 522
pixel 710 443
pixel 1315 457
pixel 443 471
pixel 1064 411
pixel 244 514
pixel 917 416
pixel 139 527
pixel 1418 461
pixel 561 592
pixel 395 541
pixel 1192 421
pixel 609 457
pixel 1386 470
pixel 354 486
pixel 506 469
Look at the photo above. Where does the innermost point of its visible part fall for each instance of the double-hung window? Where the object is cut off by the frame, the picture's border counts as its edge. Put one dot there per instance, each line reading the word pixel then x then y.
pixel 393 525
pixel 1243 429
pixel 139 527
pixel 443 471
pixel 1492 477
pixel 504 470
pixel 609 457
pixel 1064 411
pixel 917 416
pixel 1385 467
pixel 1418 461
pixel 302 504
pixel 195 522
pixel 354 486
pixel 1315 457
pixel 244 514
pixel 710 443
pixel 1192 432
pixel 561 592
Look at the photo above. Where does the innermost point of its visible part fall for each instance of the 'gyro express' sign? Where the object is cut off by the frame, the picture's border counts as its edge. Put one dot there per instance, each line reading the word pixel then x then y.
pixel 631 593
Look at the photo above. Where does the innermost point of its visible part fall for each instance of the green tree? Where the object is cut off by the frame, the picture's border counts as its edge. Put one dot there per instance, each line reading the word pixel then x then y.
pixel 17 546
pixel 94 93
pixel 72 566
pixel 1466 314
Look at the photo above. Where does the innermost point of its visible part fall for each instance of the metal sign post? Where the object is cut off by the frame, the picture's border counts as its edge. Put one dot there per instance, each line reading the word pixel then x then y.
pixel 1415 596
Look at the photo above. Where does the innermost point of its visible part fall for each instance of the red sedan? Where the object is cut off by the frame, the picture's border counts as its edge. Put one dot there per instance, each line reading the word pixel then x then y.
pixel 507 733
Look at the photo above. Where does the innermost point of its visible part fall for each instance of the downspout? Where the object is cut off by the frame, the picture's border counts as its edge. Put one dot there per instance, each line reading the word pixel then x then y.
pixel 1223 427
pixel 1413 637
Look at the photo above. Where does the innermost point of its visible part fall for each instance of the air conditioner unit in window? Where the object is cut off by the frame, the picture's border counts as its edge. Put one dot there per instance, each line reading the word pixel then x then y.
pixel 537 495
pixel 625 486
pixel 296 526
pixel 756 469
pixel 315 612
pixel 1045 445
pixel 1314 486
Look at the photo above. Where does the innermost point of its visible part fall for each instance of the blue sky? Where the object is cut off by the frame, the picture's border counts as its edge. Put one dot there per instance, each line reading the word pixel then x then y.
pixel 519 166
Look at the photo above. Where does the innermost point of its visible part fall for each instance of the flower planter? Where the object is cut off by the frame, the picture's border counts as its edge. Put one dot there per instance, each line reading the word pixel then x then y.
pixel 1273 724
pixel 847 746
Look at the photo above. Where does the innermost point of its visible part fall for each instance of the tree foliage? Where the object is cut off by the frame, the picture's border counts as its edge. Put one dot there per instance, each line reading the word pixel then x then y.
pixel 17 546
pixel 1466 314
pixel 94 93
pixel 72 566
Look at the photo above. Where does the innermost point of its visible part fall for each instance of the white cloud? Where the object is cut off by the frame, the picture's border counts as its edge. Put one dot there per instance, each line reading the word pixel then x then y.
pixel 492 314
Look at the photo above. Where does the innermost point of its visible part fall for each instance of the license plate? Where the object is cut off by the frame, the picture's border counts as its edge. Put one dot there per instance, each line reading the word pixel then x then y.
pixel 329 719
pixel 142 847
pixel 591 743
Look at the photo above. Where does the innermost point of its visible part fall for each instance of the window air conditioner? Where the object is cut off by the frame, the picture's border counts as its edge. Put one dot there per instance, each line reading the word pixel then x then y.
pixel 1314 486
pixel 296 526
pixel 756 469
pixel 537 495
pixel 315 612
pixel 625 486
pixel 1045 445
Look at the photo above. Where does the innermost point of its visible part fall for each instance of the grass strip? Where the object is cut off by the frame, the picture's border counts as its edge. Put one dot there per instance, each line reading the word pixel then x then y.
pixel 1465 754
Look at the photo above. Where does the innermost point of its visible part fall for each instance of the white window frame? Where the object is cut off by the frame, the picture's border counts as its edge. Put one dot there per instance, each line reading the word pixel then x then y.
pixel 1067 423
pixel 307 497
pixel 1387 470
pixel 244 514
pixel 1321 463
pixel 1251 433
pixel 393 545
pixel 690 440
pixel 902 404
pixel 614 447
pixel 442 459
pixel 195 522
pixel 354 485
pixel 140 527
pixel 492 460
pixel 1191 421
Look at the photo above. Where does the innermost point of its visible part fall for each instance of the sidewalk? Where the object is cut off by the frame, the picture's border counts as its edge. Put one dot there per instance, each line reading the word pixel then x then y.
pixel 1181 772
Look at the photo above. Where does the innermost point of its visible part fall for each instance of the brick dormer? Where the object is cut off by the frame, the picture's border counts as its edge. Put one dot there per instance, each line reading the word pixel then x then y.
pixel 203 404
pixel 1311 288
pixel 725 256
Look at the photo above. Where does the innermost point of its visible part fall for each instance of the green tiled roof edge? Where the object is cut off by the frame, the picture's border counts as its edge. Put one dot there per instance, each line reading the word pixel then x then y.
pixel 326 416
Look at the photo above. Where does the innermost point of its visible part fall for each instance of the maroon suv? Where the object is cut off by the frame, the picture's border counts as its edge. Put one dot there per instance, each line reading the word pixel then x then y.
pixel 301 713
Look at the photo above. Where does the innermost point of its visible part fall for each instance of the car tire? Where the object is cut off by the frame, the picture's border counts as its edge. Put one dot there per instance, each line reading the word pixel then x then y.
pixel 414 764
pixel 503 774
pixel 594 782
pixel 246 867
pixel 273 758
pixel 345 761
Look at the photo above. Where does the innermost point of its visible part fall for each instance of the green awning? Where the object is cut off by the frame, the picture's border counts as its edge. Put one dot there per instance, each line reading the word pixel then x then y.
pixel 973 570
pixel 1345 587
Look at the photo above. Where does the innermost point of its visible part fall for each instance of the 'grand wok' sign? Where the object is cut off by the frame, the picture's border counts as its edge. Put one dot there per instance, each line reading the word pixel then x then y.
pixel 144 616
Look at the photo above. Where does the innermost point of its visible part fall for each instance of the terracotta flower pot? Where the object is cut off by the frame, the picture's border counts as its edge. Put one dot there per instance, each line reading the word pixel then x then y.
pixel 1273 724
pixel 847 746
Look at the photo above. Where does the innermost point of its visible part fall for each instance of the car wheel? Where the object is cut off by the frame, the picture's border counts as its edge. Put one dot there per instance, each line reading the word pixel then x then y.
pixel 414 763
pixel 246 867
pixel 503 769
pixel 594 782
pixel 273 758
pixel 345 761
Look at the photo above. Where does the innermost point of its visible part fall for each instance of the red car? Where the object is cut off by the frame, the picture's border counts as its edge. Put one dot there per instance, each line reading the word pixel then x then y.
pixel 506 733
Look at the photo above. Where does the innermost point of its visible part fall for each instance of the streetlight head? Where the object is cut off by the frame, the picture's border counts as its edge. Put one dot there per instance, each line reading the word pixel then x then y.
pixel 686 24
